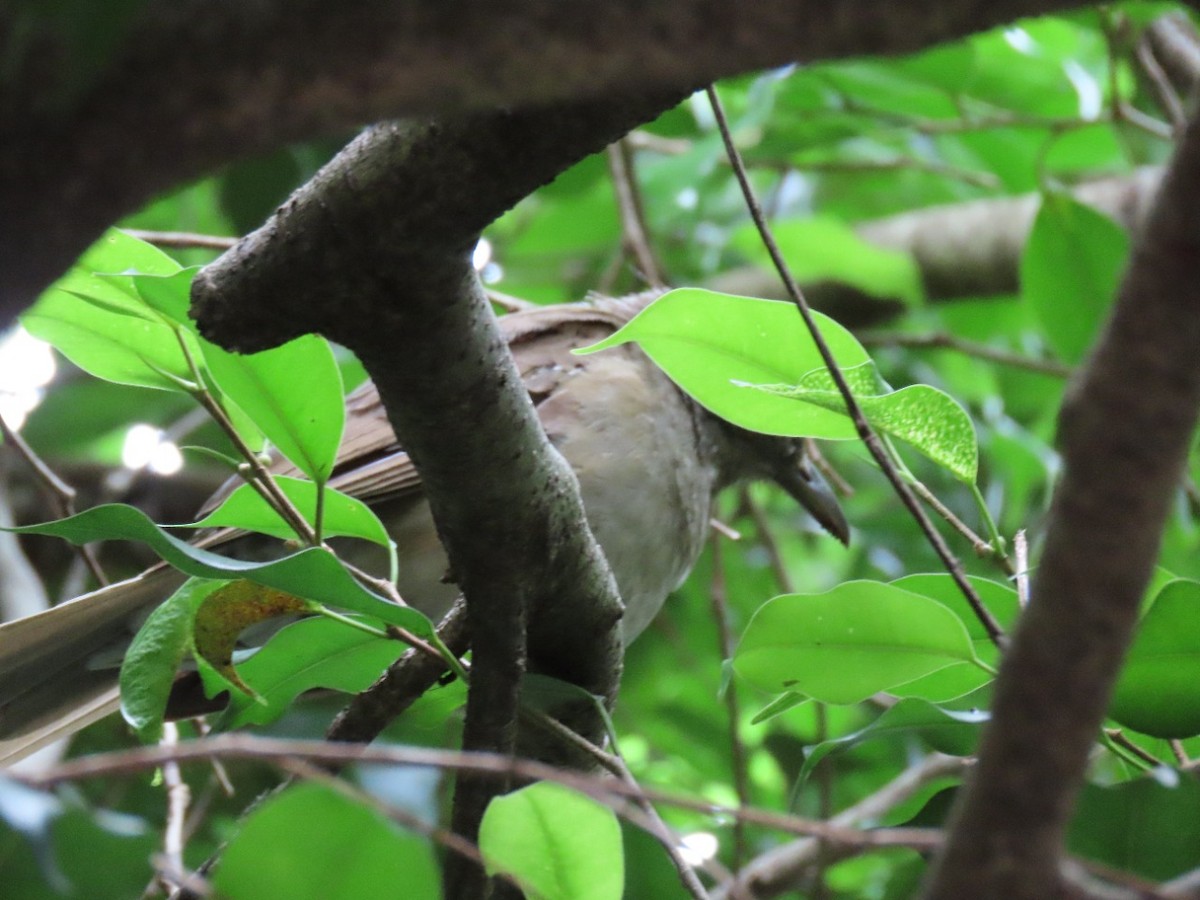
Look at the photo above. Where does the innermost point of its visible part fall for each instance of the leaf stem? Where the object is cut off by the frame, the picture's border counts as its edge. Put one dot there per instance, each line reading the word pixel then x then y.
pixel 260 477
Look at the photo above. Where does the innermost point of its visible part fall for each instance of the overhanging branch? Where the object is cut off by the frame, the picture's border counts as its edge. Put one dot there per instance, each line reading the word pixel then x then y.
pixel 185 85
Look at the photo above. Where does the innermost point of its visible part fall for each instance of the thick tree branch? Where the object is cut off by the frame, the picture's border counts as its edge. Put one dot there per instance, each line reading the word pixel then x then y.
pixel 1125 431
pixel 182 86
pixel 375 253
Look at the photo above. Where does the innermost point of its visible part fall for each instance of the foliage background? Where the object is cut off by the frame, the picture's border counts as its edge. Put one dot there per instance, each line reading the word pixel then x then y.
pixel 1037 107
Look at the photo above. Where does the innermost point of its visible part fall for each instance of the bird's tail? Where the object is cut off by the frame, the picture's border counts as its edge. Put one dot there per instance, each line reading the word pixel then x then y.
pixel 58 668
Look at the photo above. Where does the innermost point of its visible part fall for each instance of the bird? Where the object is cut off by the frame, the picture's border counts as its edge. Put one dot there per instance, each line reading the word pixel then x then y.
pixel 649 462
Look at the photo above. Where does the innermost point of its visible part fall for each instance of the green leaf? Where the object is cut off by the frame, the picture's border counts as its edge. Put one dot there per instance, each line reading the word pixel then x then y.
pixel 849 643
pixel 781 704
pixel 168 294
pixel 826 249
pixel 961 678
pixel 153 658
pixel 345 516
pixel 929 419
pixel 126 348
pixel 118 252
pixel 313 843
pixel 712 344
pixel 1158 692
pixel 1140 826
pixel 293 393
pixel 556 843
pixel 313 573
pixel 1070 272
pixel 951 731
pixel 312 653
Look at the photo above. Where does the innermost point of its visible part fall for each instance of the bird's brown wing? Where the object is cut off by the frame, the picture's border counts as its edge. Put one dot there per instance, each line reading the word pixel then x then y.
pixel 371 465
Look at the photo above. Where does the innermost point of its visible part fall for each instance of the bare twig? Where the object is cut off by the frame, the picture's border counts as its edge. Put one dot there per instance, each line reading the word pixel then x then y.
pixel 982 548
pixel 127 763
pixel 781 868
pixel 826 468
pixel 1160 84
pixel 1179 752
pixel 1021 552
pixel 766 537
pixel 942 341
pixel 61 493
pixel 179 797
pixel 861 425
pixel 182 239
pixel 1117 736
pixel 635 235
pixel 737 749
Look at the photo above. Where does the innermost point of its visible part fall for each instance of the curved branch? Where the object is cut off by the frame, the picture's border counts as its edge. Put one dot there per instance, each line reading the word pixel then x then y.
pixel 180 86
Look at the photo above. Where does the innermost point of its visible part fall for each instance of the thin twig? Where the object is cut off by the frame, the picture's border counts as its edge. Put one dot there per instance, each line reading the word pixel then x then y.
pixel 508 302
pixel 982 548
pixel 941 341
pixel 415 672
pixel 61 493
pixel 179 797
pixel 864 429
pixel 182 239
pixel 1117 736
pixel 737 749
pixel 1180 753
pixel 243 746
pixel 634 232
pixel 256 473
pixel 826 468
pixel 1021 553
pixel 766 538
pixel 1160 85
pixel 782 866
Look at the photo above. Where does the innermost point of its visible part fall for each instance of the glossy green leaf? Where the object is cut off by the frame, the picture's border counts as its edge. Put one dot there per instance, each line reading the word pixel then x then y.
pixel 929 419
pixel 961 678
pixel 1070 272
pixel 123 347
pixel 345 516
pixel 312 653
pixel 849 643
pixel 312 842
pixel 313 573
pixel 712 345
pixel 118 252
pixel 293 393
pixel 153 658
pixel 1158 692
pixel 556 843
pixel 952 731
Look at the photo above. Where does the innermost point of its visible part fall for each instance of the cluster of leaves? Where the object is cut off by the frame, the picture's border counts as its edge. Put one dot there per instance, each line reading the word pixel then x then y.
pixel 857 667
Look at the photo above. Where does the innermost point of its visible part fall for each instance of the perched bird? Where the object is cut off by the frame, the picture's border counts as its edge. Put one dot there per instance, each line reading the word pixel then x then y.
pixel 649 462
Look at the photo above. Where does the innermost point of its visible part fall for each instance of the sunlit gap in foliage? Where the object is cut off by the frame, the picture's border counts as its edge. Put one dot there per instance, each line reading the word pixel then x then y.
pixel 698 847
pixel 146 447
pixel 26 367
pixel 489 270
